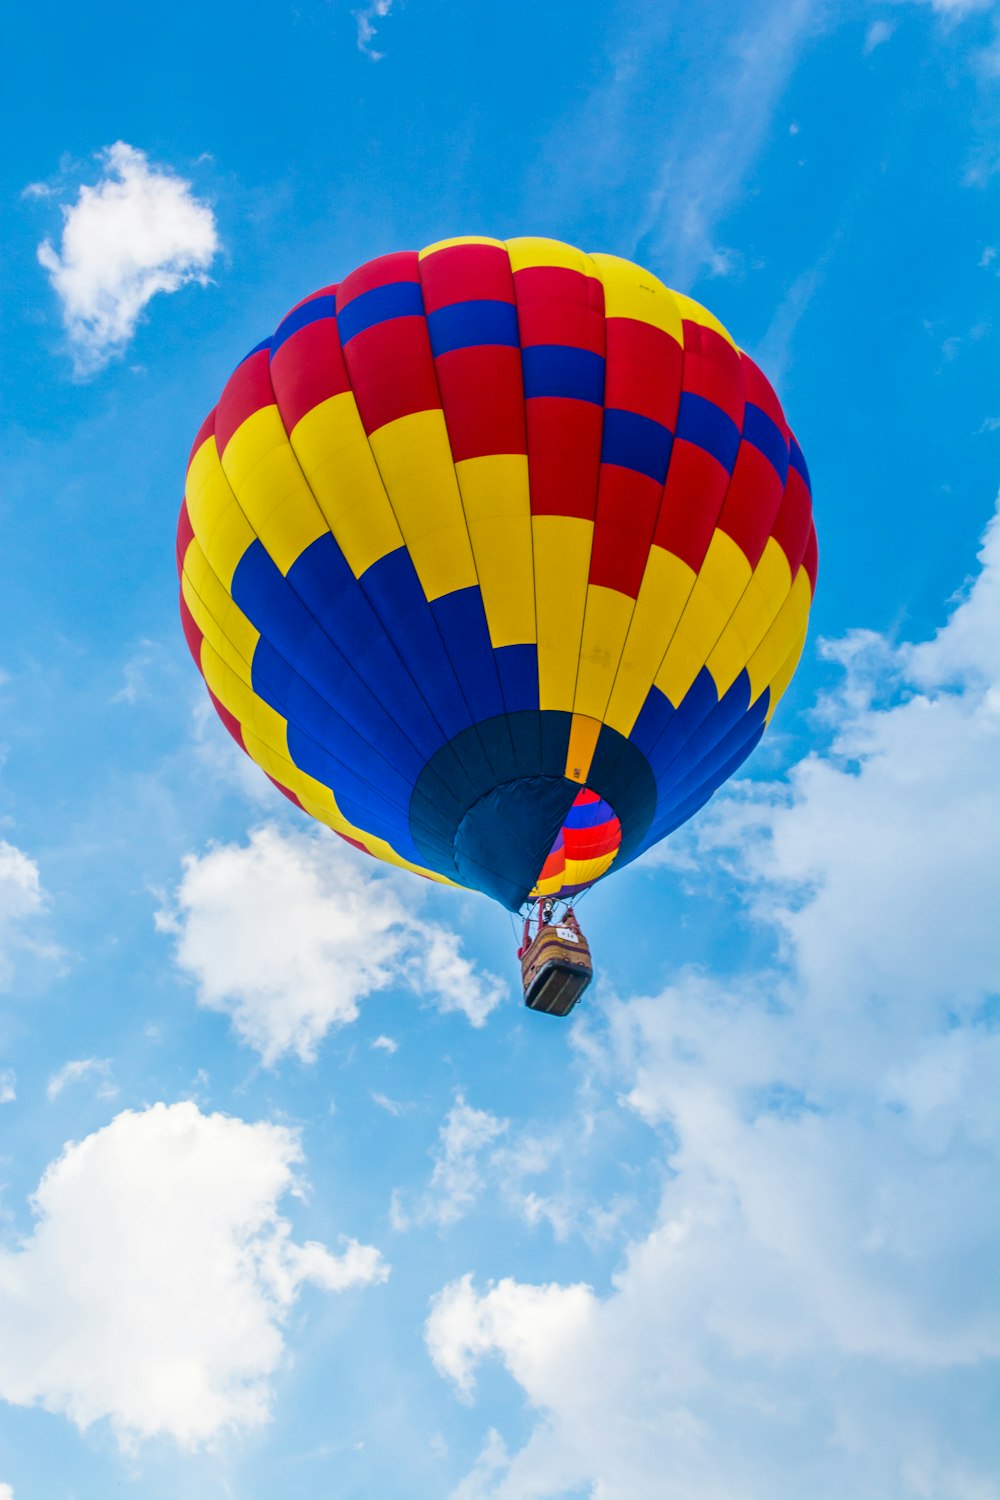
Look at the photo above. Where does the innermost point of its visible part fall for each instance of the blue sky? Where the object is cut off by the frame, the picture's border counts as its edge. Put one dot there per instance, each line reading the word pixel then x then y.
pixel 294 1197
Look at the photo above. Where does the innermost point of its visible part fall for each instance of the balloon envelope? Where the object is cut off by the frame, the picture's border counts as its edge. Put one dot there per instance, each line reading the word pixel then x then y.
pixel 496 558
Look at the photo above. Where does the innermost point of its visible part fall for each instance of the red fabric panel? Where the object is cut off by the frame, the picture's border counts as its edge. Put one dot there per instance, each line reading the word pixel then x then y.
pixel 192 634
pixel 643 370
pixel 392 371
pixel 403 265
pixel 185 531
pixel 810 560
pixel 564 456
pixel 760 392
pixel 558 306
pixel 483 399
pixel 462 273
pixel 248 389
pixel 712 369
pixel 793 522
pixel 308 368
pixel 692 499
pixel 627 507
pixel 752 503
pixel 205 431
pixel 283 789
pixel 230 720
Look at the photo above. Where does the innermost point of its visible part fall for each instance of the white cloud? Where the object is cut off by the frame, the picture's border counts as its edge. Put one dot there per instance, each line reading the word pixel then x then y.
pixel 457 1179
pixel 21 899
pixel 385 1044
pixel 140 230
pixel 288 933
pixel 718 138
pixel 8 1093
pixel 6 1492
pixel 815 1310
pixel 877 34
pixel 366 18
pixel 80 1068
pixel 153 1289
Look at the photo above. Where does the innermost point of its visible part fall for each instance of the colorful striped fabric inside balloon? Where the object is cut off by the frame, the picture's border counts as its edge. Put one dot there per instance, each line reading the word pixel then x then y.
pixel 584 850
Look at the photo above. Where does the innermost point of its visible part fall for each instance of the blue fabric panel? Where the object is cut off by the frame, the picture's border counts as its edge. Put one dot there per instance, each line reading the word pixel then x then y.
pixel 711 770
pixel 759 430
pixel 465 325
pixel 400 299
pixel 588 815
pixel 663 733
pixel 674 816
pixel 635 442
pixel 324 738
pixel 399 602
pixel 701 422
pixel 361 803
pixel 272 605
pixel 301 317
pixel 654 716
pixel 561 370
pixel 505 837
pixel 518 669
pixel 324 581
pixel 798 463
pixel 461 620
pixel 673 758
pixel 264 344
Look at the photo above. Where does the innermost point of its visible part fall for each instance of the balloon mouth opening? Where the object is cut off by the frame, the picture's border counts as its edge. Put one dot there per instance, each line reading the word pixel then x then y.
pixel 584 849
pixel 536 836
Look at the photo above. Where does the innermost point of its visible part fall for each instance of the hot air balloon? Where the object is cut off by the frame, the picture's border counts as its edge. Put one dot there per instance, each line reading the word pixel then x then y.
pixel 496 558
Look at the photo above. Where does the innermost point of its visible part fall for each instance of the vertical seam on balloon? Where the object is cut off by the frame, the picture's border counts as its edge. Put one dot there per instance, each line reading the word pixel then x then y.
pixel 597 485
pixel 387 636
pixel 446 654
pixel 465 520
pixel 694 728
pixel 537 723
pixel 687 602
pixel 659 511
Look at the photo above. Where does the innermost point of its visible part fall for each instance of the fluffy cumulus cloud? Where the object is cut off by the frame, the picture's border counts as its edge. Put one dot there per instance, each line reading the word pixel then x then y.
pixel 815 1310
pixel 153 1289
pixel 138 231
pixel 287 933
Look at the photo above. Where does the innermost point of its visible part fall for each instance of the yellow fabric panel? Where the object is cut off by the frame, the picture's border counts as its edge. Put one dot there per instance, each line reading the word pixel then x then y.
pixel 497 505
pixel 217 520
pixel 414 458
pixel 576 872
pixel 236 694
pixel 332 448
pixel 693 312
pixel 562 561
pixel 785 675
pixel 723 576
pixel 529 251
pixel 631 292
pixel 462 239
pixel 265 476
pixel 787 628
pixel 582 744
pixel 764 595
pixel 220 621
pixel 664 591
pixel 605 630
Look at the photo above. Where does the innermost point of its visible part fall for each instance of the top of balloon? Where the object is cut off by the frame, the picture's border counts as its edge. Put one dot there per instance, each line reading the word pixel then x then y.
pixel 496 557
